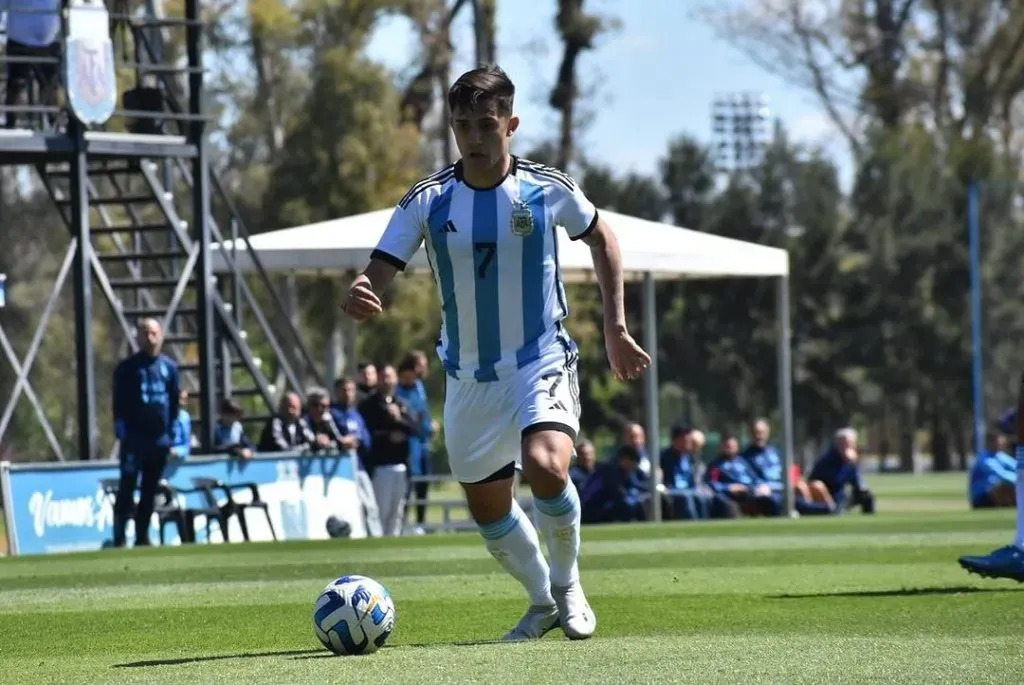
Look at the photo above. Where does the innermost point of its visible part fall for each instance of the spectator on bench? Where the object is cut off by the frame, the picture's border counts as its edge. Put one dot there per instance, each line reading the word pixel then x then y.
pixel 583 465
pixel 837 469
pixel 618 490
pixel 994 475
pixel 685 497
pixel 326 423
pixel 633 434
pixel 228 433
pixel 767 463
pixel 287 430
pixel 731 475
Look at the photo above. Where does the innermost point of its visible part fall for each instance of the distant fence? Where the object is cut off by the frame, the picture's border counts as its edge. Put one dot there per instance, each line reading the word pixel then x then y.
pixel 62 507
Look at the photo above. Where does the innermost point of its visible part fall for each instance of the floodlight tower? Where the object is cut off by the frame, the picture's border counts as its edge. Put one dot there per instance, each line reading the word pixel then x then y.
pixel 740 127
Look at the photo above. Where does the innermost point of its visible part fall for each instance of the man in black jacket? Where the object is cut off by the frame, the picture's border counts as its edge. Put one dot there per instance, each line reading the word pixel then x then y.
pixel 146 392
pixel 391 423
pixel 288 431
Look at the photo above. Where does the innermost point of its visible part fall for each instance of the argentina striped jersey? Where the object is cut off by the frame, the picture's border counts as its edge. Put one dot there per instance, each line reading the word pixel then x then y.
pixel 494 256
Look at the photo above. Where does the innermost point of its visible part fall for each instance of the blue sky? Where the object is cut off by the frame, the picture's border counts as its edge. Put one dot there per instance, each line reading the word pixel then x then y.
pixel 656 77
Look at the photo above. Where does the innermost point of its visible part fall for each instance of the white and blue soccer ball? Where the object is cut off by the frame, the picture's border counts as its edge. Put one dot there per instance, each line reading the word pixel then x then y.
pixel 354 615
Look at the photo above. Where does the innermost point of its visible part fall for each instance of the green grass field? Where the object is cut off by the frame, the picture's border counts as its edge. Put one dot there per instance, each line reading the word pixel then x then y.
pixel 850 599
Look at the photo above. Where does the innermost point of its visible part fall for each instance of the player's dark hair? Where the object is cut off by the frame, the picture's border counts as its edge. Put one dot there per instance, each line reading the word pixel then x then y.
pixel 480 87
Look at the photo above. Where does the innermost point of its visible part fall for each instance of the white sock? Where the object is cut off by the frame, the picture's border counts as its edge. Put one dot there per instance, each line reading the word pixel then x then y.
pixel 513 542
pixel 559 519
pixel 1020 498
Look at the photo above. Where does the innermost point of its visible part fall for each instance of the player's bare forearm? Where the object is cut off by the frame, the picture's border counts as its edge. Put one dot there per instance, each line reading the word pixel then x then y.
pixel 604 248
pixel 378 274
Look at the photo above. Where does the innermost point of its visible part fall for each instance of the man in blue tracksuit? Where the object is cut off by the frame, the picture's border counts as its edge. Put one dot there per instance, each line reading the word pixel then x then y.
pixel 731 475
pixel 837 469
pixel 146 397
pixel 993 479
pixel 411 373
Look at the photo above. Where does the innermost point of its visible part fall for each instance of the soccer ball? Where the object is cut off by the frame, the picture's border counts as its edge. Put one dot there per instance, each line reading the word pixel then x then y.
pixel 354 615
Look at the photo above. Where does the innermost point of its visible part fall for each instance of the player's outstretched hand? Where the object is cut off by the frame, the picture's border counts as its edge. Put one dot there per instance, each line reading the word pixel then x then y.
pixel 361 302
pixel 627 359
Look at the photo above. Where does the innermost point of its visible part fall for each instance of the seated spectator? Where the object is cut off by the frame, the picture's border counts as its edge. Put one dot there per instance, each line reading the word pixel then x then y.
pixel 683 493
pixel 181 430
pixel 287 431
pixel 583 465
pixel 837 469
pixel 635 435
pixel 229 434
pixel 994 475
pixel 731 475
pixel 326 423
pixel 767 463
pixel 617 492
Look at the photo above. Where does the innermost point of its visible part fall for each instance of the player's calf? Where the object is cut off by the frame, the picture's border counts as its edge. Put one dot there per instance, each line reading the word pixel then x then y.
pixel 546 457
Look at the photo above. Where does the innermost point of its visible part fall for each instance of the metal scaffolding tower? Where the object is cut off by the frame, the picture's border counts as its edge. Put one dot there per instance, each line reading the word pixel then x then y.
pixel 143 209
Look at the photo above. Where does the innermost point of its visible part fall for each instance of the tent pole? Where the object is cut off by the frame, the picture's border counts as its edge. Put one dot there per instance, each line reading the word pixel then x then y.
pixel 785 390
pixel 653 427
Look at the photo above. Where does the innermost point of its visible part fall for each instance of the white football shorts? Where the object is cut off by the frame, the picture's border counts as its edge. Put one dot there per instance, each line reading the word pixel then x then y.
pixel 484 422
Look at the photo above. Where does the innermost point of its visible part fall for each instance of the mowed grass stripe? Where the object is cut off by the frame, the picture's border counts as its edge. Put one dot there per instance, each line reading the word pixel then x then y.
pixel 865 581
pixel 472 548
pixel 849 525
pixel 330 566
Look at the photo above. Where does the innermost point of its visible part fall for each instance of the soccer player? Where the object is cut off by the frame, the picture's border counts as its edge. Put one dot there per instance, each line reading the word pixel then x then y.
pixel 512 394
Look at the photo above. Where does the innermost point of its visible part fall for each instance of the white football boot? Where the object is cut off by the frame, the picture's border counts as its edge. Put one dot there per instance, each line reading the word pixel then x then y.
pixel 535 624
pixel 574 613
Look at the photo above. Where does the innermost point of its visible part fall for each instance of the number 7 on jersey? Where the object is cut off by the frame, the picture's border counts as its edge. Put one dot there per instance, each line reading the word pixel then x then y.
pixel 484 257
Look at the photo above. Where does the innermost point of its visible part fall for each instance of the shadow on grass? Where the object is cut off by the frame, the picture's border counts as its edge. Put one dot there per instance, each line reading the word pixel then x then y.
pixel 470 643
pixel 219 657
pixel 899 592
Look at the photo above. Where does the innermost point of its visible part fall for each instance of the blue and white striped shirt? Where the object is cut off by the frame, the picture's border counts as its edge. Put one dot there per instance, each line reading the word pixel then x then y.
pixel 494 256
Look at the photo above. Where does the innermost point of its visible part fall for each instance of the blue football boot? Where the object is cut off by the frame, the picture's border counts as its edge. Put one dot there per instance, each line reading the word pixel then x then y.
pixel 1005 562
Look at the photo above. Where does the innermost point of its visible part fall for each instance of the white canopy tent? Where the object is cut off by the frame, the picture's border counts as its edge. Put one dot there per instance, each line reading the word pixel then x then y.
pixel 650 251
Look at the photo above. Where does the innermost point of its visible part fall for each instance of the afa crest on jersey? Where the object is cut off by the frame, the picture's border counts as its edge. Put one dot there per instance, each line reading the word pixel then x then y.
pixel 522 219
